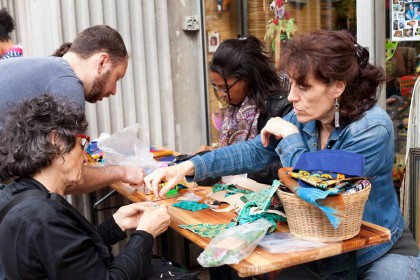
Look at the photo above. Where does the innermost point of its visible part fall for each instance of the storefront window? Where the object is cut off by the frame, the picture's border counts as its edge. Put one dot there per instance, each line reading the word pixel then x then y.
pixel 402 69
pixel 226 19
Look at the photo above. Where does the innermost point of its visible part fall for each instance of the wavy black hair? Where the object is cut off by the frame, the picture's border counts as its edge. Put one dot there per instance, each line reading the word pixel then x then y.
pixel 335 56
pixel 245 57
pixel 7 25
pixel 25 144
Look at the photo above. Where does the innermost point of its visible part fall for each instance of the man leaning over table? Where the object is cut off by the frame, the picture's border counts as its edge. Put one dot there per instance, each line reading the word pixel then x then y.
pixel 89 71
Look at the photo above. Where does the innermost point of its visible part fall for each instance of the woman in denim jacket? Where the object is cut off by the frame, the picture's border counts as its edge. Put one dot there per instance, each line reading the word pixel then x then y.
pixel 334 98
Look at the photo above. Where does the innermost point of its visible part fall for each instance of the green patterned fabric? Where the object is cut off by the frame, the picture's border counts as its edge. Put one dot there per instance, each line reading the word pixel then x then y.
pixel 190 205
pixel 230 189
pixel 208 230
pixel 257 208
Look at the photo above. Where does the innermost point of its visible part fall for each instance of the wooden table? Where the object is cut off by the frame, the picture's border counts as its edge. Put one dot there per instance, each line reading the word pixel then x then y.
pixel 259 261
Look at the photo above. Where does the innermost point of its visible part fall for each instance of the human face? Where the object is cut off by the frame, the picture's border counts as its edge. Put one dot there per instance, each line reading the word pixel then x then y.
pixel 314 102
pixel 74 160
pixel 106 84
pixel 231 92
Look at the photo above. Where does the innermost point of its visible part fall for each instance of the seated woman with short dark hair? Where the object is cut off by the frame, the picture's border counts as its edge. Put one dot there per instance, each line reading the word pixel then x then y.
pixel 42 236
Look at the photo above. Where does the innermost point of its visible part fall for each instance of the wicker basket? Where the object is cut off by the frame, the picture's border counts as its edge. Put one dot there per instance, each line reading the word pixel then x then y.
pixel 307 221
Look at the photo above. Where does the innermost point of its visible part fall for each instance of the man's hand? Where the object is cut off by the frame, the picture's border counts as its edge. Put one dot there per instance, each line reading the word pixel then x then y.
pixel 171 175
pixel 133 176
pixel 277 127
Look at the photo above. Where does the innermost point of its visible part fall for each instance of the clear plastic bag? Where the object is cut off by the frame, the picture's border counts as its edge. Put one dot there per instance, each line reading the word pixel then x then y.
pixel 234 244
pixel 126 148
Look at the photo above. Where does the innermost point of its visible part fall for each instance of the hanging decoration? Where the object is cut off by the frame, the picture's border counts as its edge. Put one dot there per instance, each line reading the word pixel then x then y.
pixel 279 29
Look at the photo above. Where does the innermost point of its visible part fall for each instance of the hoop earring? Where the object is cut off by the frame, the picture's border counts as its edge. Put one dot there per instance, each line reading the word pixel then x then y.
pixel 336 114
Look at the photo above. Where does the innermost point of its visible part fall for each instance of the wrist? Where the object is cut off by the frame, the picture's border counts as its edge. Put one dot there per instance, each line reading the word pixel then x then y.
pixel 187 167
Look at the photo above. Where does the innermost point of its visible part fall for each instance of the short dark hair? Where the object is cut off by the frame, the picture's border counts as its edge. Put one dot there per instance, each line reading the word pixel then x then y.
pixel 335 56
pixel 25 145
pixel 245 57
pixel 7 25
pixel 99 38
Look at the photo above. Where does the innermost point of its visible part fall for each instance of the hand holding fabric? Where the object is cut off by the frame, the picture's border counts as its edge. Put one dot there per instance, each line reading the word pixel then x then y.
pixel 126 216
pixel 171 175
pixel 154 220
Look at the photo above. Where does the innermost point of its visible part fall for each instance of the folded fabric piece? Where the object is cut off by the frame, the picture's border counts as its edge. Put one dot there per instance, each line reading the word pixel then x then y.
pixel 333 206
pixel 323 180
pixel 190 205
pixel 256 208
pixel 229 188
pixel 208 230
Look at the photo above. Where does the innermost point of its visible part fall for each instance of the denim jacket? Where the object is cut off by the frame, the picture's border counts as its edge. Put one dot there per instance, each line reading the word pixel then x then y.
pixel 371 136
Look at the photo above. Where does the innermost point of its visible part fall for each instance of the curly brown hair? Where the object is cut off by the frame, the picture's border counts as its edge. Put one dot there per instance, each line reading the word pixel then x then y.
pixel 335 56
pixel 25 145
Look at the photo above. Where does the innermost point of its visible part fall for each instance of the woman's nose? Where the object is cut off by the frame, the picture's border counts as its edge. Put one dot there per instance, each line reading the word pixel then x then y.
pixel 292 97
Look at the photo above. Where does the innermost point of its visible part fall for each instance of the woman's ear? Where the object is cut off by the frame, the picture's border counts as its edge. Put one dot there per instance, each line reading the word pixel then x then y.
pixel 338 88
pixel 56 141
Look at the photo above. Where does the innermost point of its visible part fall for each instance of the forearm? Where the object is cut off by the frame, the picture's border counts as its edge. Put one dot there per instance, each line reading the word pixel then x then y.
pixel 94 178
pixel 240 158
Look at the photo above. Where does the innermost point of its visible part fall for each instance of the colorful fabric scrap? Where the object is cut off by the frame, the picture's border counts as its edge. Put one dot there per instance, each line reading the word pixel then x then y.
pixel 230 189
pixel 257 207
pixel 208 230
pixel 190 205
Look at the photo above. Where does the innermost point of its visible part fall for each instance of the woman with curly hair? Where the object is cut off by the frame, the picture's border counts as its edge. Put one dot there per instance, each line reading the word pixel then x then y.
pixel 8 48
pixel 42 145
pixel 334 98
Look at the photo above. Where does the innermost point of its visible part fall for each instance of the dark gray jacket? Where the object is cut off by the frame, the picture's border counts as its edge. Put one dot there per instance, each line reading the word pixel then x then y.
pixel 49 239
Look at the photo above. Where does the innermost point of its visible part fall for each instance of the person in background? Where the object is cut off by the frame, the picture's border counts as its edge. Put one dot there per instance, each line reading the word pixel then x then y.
pixel 334 96
pixel 410 12
pixel 62 50
pixel 244 79
pixel 88 71
pixel 8 48
pixel 42 144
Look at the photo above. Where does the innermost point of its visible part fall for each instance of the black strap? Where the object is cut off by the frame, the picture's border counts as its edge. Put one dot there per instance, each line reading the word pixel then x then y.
pixel 20 198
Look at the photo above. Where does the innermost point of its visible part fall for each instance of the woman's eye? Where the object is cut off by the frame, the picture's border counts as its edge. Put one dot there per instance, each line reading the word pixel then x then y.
pixel 302 88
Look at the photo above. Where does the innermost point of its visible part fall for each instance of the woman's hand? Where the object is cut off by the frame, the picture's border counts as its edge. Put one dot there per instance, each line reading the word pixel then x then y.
pixel 126 216
pixel 171 175
pixel 277 127
pixel 154 220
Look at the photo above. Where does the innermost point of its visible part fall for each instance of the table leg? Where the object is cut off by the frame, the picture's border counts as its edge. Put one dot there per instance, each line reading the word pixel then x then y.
pixel 352 265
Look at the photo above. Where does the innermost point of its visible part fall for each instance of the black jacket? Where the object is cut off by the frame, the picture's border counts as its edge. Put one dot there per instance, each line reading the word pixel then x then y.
pixel 276 106
pixel 49 239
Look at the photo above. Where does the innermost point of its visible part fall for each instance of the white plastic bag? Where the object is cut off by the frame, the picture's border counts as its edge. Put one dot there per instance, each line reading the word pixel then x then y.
pixel 234 244
pixel 125 148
